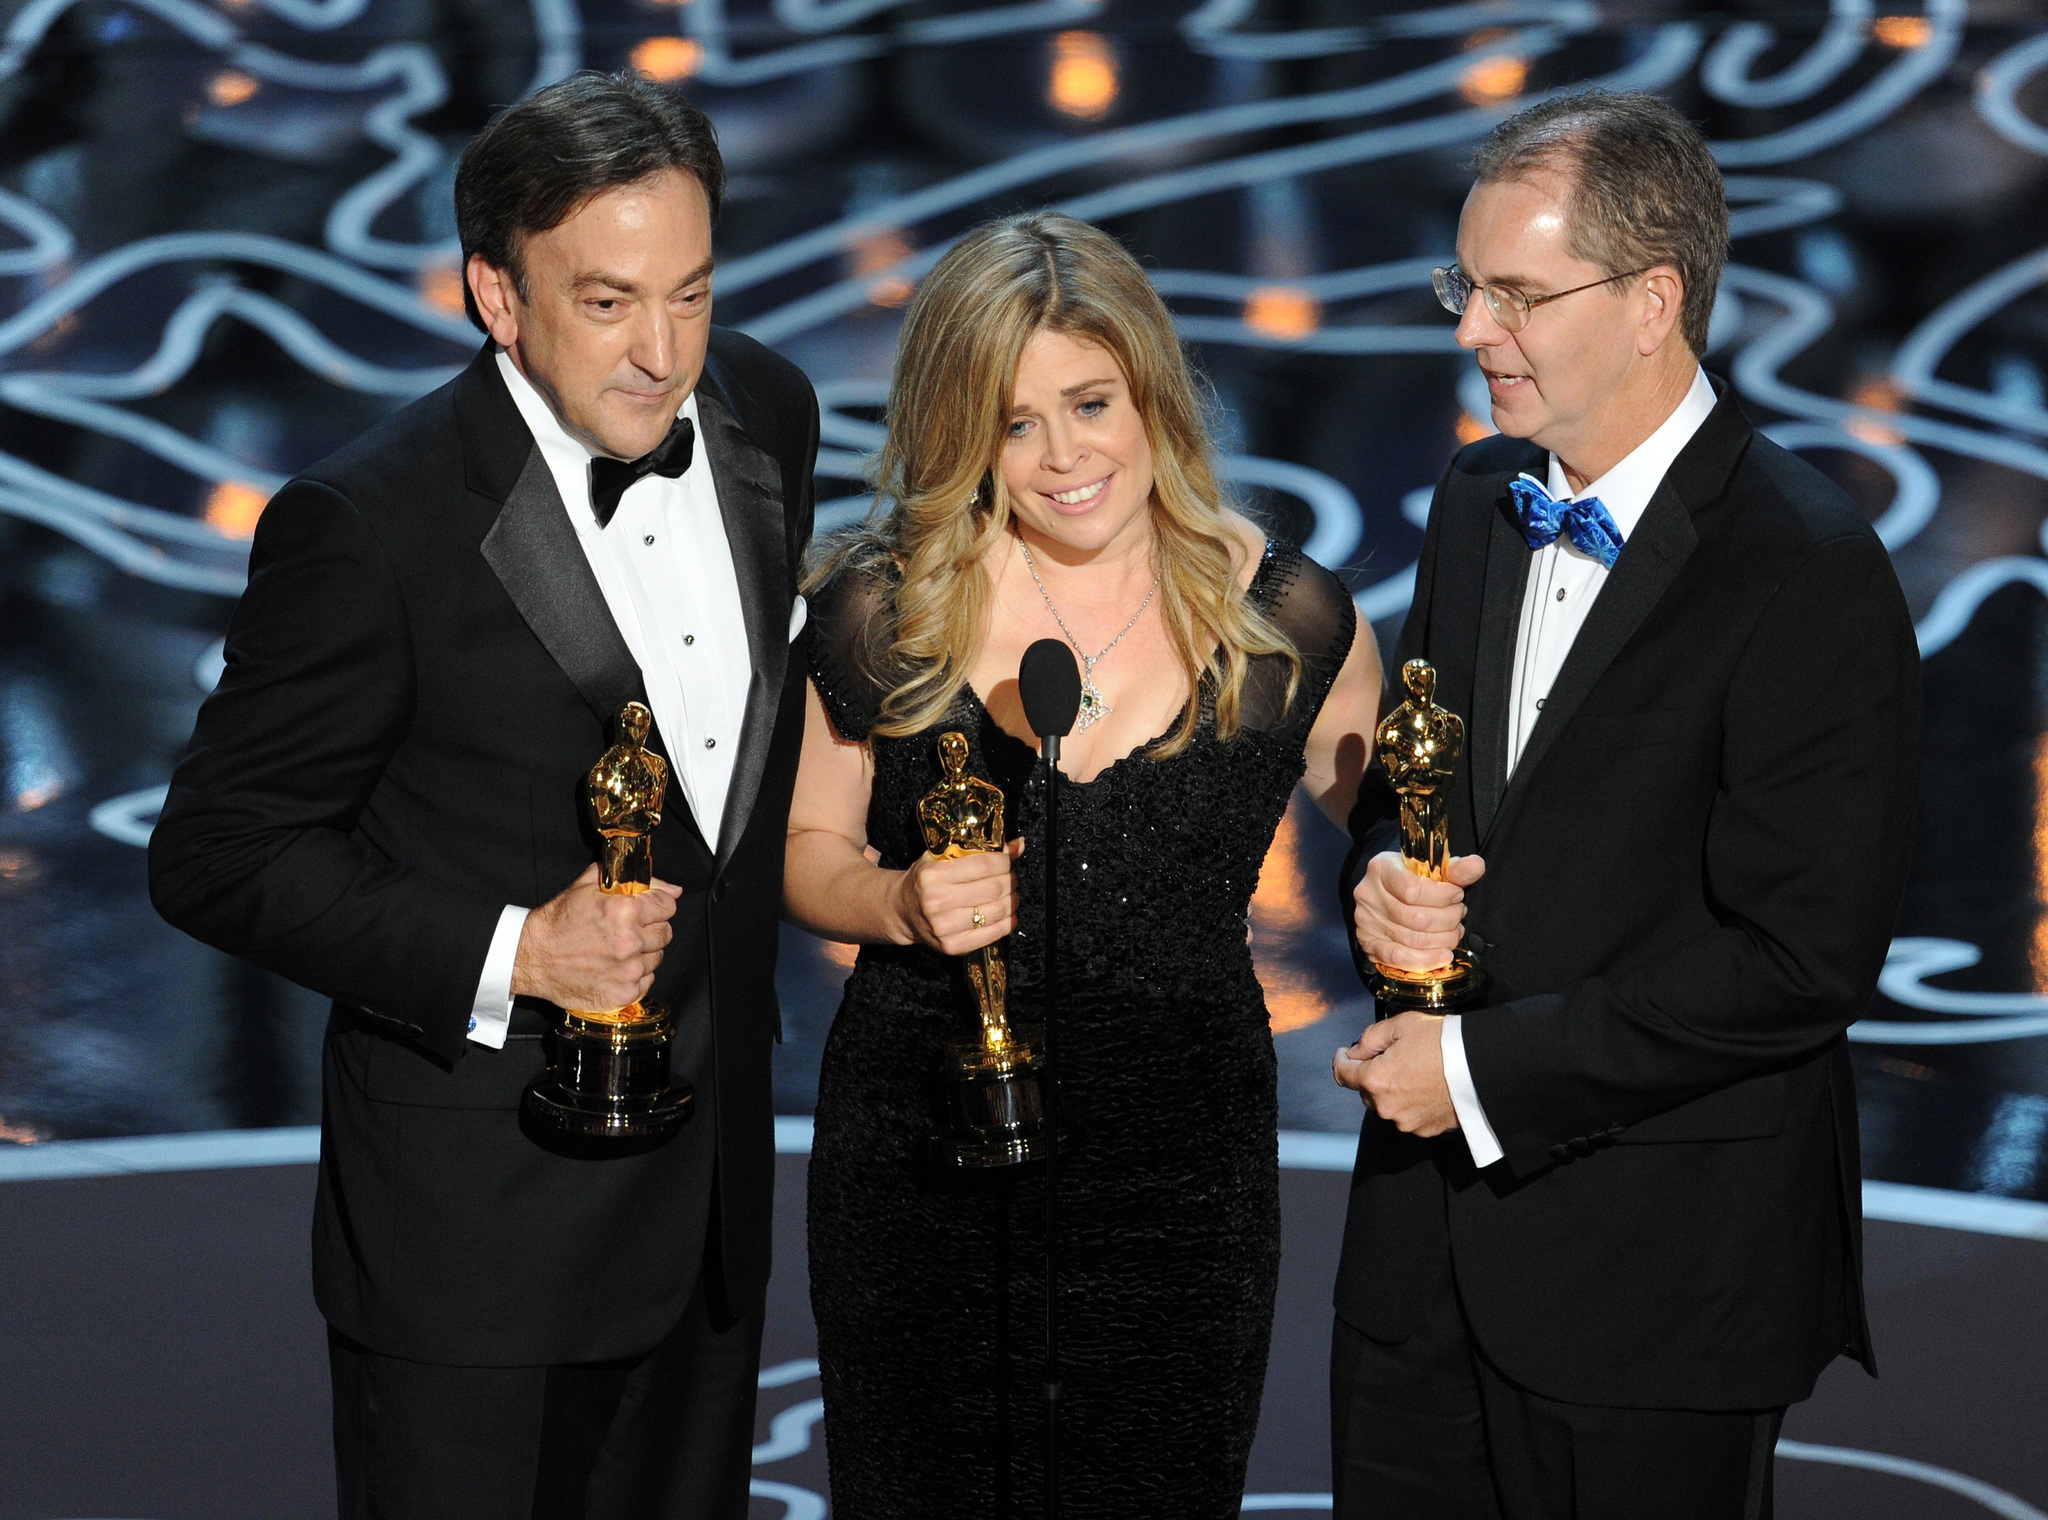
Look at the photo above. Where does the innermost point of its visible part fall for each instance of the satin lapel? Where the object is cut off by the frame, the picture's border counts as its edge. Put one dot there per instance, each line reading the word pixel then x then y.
pixel 533 551
pixel 1500 621
pixel 1663 540
pixel 749 485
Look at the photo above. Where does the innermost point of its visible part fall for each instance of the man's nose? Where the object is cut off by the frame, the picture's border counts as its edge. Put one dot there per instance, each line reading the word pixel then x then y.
pixel 654 346
pixel 1477 327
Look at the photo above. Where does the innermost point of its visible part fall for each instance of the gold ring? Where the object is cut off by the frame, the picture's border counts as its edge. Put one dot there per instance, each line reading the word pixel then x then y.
pixel 977 918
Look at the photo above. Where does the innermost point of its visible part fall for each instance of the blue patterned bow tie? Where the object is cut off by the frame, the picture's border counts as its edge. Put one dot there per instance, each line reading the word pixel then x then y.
pixel 1586 523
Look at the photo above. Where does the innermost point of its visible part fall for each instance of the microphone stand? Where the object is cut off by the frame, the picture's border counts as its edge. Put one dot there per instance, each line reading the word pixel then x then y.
pixel 1049 681
pixel 1051 750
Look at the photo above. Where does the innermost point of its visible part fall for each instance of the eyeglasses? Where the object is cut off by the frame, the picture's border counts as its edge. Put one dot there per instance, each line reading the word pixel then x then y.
pixel 1509 306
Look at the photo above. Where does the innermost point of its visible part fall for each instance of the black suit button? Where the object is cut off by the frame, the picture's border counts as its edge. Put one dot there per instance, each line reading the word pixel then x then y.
pixel 1581 1146
pixel 1560 1153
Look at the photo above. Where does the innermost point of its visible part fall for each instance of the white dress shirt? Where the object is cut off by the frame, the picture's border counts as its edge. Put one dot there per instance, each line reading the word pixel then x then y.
pixel 665 568
pixel 1563 583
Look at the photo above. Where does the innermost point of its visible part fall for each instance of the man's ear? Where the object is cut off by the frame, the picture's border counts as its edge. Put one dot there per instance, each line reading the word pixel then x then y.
pixel 496 299
pixel 1663 302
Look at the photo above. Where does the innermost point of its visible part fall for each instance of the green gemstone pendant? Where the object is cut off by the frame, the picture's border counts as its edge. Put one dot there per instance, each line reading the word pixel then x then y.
pixel 1092 705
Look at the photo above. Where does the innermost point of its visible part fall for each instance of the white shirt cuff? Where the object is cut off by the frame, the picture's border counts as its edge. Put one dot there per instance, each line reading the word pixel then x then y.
pixel 491 1015
pixel 1479 1137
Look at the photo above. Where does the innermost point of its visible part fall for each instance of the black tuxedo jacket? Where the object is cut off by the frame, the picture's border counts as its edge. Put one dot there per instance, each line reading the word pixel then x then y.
pixel 1691 881
pixel 418 677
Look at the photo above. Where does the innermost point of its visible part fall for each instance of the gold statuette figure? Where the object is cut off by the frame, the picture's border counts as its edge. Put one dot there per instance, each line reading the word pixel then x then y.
pixel 625 790
pixel 963 815
pixel 1418 745
pixel 608 1074
pixel 994 1105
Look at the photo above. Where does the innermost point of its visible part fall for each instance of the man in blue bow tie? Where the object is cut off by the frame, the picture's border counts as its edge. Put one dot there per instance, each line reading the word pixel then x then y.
pixel 1605 1227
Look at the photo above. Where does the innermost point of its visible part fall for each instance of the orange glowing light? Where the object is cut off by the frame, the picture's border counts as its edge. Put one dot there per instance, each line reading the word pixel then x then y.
pixel 1084 82
pixel 1903 31
pixel 54 335
pixel 40 795
pixel 1880 395
pixel 838 954
pixel 440 286
pixel 1292 1000
pixel 18 866
pixel 22 1134
pixel 1489 81
pixel 230 87
pixel 233 507
pixel 1281 912
pixel 668 59
pixel 2039 955
pixel 875 259
pixel 1282 311
pixel 1281 905
pixel 1471 429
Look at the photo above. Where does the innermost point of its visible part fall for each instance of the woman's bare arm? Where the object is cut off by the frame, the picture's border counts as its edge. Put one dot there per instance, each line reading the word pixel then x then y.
pixel 1340 744
pixel 832 888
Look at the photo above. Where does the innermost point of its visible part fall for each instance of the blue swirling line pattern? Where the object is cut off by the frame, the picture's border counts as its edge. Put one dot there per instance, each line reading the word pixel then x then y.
pixel 177 550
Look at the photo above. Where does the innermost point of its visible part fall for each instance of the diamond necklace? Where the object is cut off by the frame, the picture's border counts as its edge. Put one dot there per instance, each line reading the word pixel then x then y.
pixel 1092 705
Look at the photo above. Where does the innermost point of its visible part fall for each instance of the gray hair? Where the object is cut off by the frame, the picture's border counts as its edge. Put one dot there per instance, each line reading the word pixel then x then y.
pixel 1644 188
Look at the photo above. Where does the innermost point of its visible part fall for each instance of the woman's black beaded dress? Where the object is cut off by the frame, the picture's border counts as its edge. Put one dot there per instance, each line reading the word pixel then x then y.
pixel 928 1287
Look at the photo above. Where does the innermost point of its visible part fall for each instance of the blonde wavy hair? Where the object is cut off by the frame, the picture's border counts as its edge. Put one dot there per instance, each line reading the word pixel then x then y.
pixel 940 469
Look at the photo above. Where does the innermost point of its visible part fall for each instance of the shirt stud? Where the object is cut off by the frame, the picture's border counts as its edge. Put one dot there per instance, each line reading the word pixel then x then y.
pixel 689 638
pixel 711 744
pixel 1560 589
pixel 648 540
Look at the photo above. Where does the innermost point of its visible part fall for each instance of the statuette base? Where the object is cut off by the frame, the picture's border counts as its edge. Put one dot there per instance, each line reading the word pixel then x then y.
pixel 611 1080
pixel 1444 990
pixel 995 1107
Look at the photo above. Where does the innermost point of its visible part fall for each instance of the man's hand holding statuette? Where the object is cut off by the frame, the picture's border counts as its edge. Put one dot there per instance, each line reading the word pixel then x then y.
pixel 1410 921
pixel 593 949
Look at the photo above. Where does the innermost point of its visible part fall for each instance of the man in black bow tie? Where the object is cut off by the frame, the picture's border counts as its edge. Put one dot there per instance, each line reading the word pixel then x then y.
pixel 1606 1228
pixel 383 801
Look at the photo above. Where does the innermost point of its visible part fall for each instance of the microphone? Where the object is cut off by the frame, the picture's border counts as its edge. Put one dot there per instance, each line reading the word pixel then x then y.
pixel 1049 681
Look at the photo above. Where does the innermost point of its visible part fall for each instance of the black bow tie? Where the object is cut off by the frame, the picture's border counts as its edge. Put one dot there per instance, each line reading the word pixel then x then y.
pixel 610 477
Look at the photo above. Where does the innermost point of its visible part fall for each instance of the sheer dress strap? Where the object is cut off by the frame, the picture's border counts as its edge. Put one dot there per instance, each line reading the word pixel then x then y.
pixel 849 621
pixel 1310 605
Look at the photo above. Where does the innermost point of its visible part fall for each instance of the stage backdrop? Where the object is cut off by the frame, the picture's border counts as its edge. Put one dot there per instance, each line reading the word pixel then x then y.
pixel 226 247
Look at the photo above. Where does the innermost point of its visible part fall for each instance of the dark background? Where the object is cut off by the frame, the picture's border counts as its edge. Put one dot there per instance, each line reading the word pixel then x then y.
pixel 224 249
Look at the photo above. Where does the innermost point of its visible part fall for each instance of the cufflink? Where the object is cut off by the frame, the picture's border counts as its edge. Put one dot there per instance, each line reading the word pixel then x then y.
pixel 472 1023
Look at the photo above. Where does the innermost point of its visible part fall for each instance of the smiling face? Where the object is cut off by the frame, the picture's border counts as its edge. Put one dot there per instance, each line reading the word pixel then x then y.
pixel 1077 461
pixel 617 311
pixel 1579 378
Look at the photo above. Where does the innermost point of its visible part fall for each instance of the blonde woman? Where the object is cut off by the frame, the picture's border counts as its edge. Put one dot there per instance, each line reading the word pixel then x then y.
pixel 1049 476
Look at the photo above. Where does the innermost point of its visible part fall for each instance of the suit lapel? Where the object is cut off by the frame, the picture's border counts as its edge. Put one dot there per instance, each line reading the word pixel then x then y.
pixel 532 549
pixel 749 485
pixel 1500 621
pixel 1650 561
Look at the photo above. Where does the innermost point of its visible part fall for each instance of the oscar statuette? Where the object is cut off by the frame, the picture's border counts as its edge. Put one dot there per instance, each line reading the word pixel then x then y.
pixel 995 1110
pixel 609 1073
pixel 1418 745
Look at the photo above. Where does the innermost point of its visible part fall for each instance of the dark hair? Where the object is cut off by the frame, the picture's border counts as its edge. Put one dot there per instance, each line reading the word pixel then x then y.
pixel 538 161
pixel 1645 188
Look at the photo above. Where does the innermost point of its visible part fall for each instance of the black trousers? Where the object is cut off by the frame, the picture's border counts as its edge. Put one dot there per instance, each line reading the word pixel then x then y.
pixel 664 1436
pixel 1428 1429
